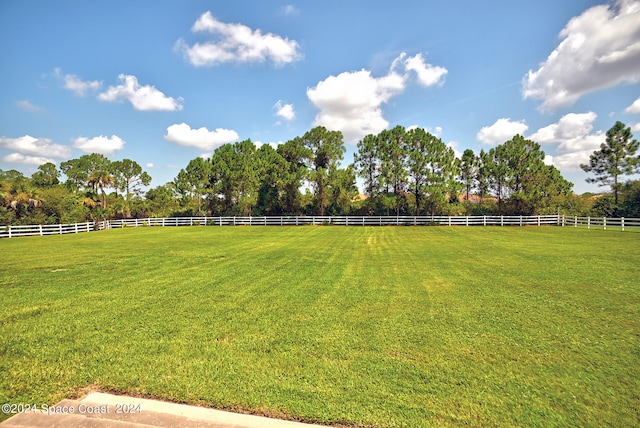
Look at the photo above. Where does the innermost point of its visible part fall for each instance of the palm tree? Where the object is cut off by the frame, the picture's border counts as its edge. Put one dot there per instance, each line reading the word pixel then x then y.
pixel 100 179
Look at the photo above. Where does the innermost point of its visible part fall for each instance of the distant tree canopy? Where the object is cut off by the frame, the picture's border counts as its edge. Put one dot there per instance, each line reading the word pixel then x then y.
pixel 402 172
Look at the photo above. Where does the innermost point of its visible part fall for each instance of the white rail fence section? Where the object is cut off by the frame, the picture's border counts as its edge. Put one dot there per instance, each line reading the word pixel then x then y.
pixel 553 220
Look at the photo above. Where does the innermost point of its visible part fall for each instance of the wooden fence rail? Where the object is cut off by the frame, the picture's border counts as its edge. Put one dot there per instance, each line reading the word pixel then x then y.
pixel 552 220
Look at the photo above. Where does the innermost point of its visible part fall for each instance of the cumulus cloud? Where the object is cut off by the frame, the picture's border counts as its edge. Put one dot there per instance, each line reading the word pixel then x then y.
pixel 101 144
pixel 285 111
pixel 31 146
pixel 574 137
pixel 26 160
pixel 634 108
pixel 502 130
pixel 75 84
pixel 150 165
pixel 237 43
pixel 428 75
pixel 599 49
pixel 351 102
pixel 202 138
pixel 141 97
pixel 572 125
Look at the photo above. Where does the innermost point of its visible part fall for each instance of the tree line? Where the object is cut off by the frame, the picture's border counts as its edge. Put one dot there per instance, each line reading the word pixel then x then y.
pixel 402 171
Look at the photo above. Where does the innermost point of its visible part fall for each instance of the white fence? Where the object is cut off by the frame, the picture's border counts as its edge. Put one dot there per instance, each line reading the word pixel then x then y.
pixel 553 220
pixel 344 221
pixel 50 229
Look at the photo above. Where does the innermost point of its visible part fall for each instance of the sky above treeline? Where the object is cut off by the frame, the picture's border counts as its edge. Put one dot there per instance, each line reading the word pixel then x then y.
pixel 163 82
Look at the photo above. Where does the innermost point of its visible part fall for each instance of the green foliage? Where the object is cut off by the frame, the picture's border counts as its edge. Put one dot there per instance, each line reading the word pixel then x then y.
pixel 325 150
pixel 46 176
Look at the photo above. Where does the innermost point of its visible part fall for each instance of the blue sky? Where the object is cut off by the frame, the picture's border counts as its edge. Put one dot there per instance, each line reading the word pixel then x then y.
pixel 162 82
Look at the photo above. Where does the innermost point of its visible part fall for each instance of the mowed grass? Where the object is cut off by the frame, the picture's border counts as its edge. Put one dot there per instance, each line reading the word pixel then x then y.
pixel 364 326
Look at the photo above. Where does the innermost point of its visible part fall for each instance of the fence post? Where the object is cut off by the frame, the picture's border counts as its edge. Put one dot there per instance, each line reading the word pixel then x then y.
pixel 449 220
pixel 588 222
pixel 76 227
pixel 59 228
pixel 234 220
pixel 501 220
pixel 622 223
pixel 575 222
pixel 484 220
pixel 604 223
pixel 538 220
pixel 9 231
pixel 40 230
pixel 563 220
pixel 466 219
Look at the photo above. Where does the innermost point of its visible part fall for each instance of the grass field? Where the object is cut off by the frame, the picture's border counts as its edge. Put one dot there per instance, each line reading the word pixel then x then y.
pixel 364 326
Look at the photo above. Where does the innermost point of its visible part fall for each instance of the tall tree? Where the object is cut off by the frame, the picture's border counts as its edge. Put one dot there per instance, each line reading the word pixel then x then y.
pixel 78 170
pixel 393 168
pixel 326 149
pixel 194 180
pixel 47 175
pixel 367 164
pixel 615 158
pixel 235 176
pixel 482 178
pixel 272 169
pixel 296 156
pixel 421 154
pixel 129 177
pixel 468 170
pixel 99 180
pixel 342 190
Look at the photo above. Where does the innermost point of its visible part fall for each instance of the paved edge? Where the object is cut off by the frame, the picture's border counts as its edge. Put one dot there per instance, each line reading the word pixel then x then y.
pixel 196 413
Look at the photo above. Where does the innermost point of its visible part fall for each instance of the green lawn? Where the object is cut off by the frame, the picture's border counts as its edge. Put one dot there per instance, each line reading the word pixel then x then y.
pixel 365 326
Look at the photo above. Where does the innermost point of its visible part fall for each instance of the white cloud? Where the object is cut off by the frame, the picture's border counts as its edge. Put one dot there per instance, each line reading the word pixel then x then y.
pixel 202 138
pixel 28 106
pixel 428 75
pixel 502 130
pixel 574 137
pixel 26 160
pixel 599 49
pixel 285 111
pixel 101 144
pixel 77 85
pixel 39 147
pixel 237 43
pixel 141 97
pixel 634 108
pixel 572 125
pixel 150 165
pixel 635 127
pixel 351 102
pixel 570 162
